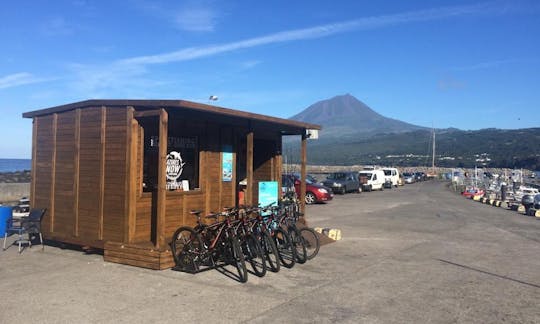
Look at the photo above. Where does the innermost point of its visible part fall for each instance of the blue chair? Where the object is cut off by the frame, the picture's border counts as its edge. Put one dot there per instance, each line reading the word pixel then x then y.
pixel 30 225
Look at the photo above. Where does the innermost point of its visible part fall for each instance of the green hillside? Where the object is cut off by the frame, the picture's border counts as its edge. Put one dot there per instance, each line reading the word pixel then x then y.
pixel 454 148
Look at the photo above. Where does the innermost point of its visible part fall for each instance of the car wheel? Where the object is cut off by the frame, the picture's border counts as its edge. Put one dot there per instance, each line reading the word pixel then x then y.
pixel 310 198
pixel 370 188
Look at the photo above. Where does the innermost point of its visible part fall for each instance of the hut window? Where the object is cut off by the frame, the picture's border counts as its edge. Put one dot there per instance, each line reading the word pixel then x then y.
pixel 182 163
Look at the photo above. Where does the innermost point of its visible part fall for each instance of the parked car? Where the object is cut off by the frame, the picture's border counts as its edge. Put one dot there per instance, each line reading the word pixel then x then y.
pixel 408 177
pixel 315 193
pixel 537 201
pixel 391 175
pixel 371 179
pixel 342 182
pixel 420 176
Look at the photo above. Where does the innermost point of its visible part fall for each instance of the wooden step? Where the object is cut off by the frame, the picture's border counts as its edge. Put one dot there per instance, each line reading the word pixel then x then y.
pixel 138 255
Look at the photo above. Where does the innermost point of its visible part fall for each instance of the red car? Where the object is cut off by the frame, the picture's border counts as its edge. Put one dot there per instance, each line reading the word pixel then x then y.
pixel 471 192
pixel 315 193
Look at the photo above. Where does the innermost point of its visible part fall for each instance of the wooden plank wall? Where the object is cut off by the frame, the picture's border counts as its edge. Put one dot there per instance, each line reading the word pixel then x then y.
pixel 44 172
pixel 89 170
pixel 80 172
pixel 63 195
pixel 115 175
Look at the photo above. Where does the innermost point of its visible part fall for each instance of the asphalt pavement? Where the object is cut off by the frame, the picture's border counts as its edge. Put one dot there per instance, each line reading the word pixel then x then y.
pixel 415 254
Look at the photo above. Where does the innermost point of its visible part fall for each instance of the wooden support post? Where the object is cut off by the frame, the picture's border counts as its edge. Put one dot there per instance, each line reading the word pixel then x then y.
pixel 53 172
pixel 249 169
pixel 303 173
pixel 162 181
pixel 101 202
pixel 131 171
pixel 76 171
pixel 35 122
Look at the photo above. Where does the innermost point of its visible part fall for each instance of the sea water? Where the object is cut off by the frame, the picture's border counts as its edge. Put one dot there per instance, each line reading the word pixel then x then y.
pixel 12 165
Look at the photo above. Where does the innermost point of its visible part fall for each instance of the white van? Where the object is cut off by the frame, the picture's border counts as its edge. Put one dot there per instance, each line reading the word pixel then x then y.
pixel 371 179
pixel 391 175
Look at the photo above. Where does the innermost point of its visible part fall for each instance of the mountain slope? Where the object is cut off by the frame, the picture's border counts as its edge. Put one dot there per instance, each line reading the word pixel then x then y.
pixel 454 148
pixel 355 134
pixel 347 117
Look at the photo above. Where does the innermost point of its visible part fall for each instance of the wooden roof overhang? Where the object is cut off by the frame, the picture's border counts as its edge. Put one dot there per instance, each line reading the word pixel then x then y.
pixel 192 109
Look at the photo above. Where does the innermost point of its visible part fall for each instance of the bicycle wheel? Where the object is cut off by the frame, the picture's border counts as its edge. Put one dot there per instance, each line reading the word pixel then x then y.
pixel 311 241
pixel 270 251
pixel 237 259
pixel 254 255
pixel 286 251
pixel 298 244
pixel 186 248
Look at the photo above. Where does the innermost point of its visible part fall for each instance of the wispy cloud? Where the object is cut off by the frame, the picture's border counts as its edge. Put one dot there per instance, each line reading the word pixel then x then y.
pixel 98 81
pixel 484 65
pixel 191 16
pixel 19 79
pixel 131 71
pixel 250 64
pixel 196 19
pixel 450 83
pixel 321 31
pixel 57 26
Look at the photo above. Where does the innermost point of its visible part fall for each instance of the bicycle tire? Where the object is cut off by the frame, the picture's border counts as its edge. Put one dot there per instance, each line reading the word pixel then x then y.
pixel 254 255
pixel 286 252
pixel 186 248
pixel 298 244
pixel 311 241
pixel 237 259
pixel 270 251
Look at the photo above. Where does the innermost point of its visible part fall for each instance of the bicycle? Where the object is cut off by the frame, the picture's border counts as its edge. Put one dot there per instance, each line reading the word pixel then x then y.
pixel 249 243
pixel 308 235
pixel 264 237
pixel 281 238
pixel 208 245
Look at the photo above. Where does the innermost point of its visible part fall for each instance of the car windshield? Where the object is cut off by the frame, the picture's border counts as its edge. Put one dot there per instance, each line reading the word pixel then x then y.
pixel 407 174
pixel 309 179
pixel 387 172
pixel 364 174
pixel 337 176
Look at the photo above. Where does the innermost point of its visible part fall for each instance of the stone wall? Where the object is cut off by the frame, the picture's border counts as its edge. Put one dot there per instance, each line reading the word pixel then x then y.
pixel 10 192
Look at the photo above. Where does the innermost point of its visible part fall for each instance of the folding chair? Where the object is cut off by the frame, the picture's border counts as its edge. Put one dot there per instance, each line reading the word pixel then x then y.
pixel 30 225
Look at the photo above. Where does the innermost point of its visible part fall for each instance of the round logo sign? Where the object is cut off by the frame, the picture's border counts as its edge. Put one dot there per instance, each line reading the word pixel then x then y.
pixel 175 165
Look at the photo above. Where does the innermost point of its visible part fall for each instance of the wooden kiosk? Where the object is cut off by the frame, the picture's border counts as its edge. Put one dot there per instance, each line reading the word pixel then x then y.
pixel 122 175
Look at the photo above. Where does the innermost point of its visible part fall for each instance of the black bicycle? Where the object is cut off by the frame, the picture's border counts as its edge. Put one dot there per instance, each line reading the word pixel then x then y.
pixel 208 245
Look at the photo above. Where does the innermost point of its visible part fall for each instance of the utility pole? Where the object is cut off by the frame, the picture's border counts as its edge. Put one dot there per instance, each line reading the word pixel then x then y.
pixel 433 157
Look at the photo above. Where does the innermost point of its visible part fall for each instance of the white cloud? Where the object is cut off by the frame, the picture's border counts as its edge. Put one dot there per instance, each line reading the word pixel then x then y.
pixel 450 83
pixel 196 19
pixel 18 79
pixel 130 73
pixel 57 26
pixel 101 81
pixel 483 65
pixel 191 15
pixel 321 31
pixel 250 64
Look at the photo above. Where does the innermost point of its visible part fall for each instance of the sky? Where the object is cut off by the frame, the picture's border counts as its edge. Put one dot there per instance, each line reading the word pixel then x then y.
pixel 460 63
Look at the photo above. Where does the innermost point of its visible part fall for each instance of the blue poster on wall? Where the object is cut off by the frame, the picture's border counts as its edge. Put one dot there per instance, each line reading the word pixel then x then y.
pixel 268 193
pixel 227 163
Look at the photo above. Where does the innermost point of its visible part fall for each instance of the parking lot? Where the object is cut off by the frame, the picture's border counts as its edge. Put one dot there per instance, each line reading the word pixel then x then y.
pixel 415 254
